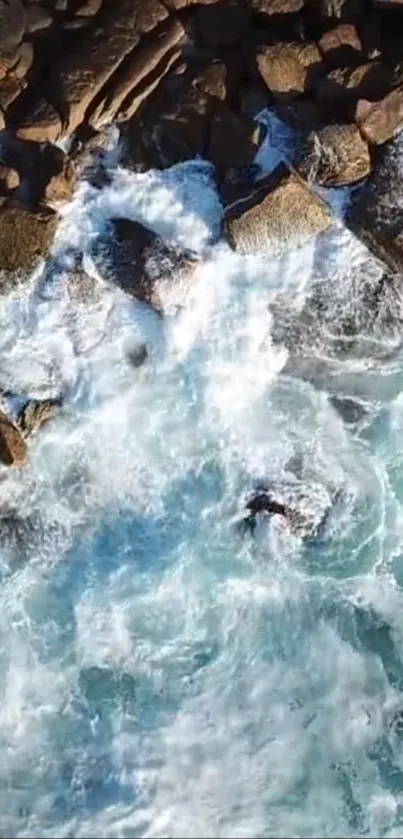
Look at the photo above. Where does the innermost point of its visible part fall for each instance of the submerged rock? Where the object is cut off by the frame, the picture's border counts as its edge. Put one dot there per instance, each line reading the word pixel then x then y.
pixel 140 262
pixel 13 448
pixel 304 508
pixel 281 212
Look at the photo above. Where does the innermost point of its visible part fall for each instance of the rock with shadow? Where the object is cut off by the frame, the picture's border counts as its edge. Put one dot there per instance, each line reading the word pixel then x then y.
pixel 141 263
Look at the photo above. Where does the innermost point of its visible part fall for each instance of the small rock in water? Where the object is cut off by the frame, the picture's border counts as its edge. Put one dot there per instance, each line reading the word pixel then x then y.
pixel 138 355
pixel 35 414
pixel 138 260
pixel 13 448
pixel 349 409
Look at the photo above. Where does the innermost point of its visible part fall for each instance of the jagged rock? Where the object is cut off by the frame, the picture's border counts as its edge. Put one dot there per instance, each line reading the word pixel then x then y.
pixel 281 213
pixel 346 84
pixel 9 178
pixel 35 414
pixel 289 70
pixel 376 211
pixel 83 73
pixel 40 122
pixel 234 140
pixel 179 129
pixel 341 46
pixel 12 26
pixel 37 18
pixel 140 262
pixel 144 62
pixel 90 8
pixel 222 23
pixel 276 7
pixel 25 237
pixel 380 121
pixel 13 448
pixel 336 155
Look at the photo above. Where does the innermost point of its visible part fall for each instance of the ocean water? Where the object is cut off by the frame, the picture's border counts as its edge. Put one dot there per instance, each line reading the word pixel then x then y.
pixel 163 672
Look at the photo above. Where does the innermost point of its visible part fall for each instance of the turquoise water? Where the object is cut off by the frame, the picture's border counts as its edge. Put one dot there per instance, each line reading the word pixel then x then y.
pixel 164 674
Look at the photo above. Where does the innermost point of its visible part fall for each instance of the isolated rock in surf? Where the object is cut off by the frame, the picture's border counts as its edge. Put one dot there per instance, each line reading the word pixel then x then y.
pixel 140 262
pixel 13 448
pixel 283 212
pixel 25 238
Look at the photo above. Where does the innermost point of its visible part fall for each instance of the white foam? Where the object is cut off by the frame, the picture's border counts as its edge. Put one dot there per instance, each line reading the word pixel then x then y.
pixel 231 694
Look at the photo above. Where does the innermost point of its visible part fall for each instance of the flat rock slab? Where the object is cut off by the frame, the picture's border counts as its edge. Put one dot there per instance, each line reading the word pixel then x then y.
pixel 282 213
pixel 380 121
pixel 25 239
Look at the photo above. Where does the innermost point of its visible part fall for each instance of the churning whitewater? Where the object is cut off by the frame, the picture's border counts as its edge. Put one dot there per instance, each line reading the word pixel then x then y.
pixel 164 672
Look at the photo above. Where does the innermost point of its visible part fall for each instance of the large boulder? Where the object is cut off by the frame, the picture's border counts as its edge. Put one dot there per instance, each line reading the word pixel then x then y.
pixel 234 140
pixel 380 121
pixel 146 63
pixel 341 46
pixel 12 26
pixel 376 211
pixel 336 155
pixel 289 70
pixel 140 262
pixel 13 448
pixel 283 212
pixel 25 238
pixel 84 72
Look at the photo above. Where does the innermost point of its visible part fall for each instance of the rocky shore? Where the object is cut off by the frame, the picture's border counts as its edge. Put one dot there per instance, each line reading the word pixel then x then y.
pixel 182 79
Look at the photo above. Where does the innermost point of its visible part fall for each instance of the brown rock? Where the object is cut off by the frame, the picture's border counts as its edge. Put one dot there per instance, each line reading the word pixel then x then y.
pixel 9 178
pixel 367 81
pixel 84 72
pixel 90 8
pixel 13 448
pixel 35 414
pixel 169 62
pixel 25 237
pixel 182 129
pixel 276 7
pixel 61 186
pixel 213 80
pixel 37 18
pixel 25 60
pixel 234 140
pixel 182 4
pixel 336 155
pixel 282 213
pixel 12 26
pixel 145 61
pixel 222 23
pixel 380 121
pixel 288 69
pixel 140 262
pixel 10 89
pixel 341 46
pixel 40 122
